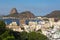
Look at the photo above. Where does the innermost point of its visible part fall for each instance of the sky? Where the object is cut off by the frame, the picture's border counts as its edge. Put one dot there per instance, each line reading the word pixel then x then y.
pixel 37 7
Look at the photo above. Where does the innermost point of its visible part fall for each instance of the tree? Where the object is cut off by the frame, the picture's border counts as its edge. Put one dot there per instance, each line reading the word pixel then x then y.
pixel 24 35
pixel 2 24
pixel 2 27
pixel 4 33
pixel 7 36
pixel 32 36
pixel 36 36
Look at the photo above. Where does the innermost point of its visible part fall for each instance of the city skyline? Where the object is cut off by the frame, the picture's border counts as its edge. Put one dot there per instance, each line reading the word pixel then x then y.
pixel 37 7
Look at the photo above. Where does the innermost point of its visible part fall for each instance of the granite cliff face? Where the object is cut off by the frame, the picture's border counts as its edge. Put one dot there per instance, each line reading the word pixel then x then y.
pixel 54 14
pixel 13 11
pixel 26 14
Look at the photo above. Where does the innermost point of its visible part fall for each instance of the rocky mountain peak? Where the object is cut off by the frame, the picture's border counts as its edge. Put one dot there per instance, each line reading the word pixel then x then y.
pixel 13 11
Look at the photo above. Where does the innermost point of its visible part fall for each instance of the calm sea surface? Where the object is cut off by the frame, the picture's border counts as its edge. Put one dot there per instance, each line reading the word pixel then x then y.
pixel 8 21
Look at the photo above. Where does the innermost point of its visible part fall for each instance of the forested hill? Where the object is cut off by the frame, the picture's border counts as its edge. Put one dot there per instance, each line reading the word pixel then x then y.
pixel 54 14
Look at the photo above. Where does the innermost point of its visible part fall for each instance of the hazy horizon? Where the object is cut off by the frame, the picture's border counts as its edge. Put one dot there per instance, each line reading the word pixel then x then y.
pixel 38 7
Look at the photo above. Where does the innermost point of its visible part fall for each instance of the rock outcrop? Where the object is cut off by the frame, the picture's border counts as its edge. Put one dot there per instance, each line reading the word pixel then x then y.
pixel 14 11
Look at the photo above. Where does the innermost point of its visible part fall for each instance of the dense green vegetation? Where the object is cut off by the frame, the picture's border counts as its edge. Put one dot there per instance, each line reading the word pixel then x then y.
pixel 2 24
pixel 12 35
pixel 4 33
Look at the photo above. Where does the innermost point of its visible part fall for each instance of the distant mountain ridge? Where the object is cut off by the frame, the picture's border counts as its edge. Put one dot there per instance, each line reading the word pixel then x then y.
pixel 26 14
pixel 54 14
